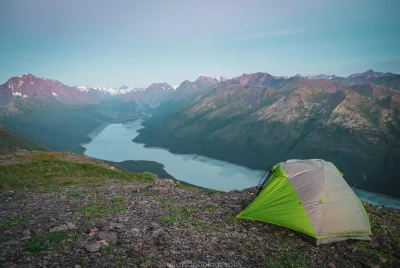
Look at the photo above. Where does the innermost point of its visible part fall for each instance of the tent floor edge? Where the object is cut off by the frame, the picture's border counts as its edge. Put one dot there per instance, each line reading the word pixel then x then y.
pixel 332 239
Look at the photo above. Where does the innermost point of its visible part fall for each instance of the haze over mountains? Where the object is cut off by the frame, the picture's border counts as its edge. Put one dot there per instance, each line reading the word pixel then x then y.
pixel 254 120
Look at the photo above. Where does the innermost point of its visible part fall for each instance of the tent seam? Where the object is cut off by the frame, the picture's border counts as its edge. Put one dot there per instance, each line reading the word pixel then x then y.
pixel 323 196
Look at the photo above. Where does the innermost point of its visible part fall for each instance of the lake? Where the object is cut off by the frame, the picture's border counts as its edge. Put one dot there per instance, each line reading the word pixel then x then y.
pixel 114 143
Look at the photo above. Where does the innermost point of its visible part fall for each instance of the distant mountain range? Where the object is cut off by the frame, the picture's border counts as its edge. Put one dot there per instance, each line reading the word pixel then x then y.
pixel 255 119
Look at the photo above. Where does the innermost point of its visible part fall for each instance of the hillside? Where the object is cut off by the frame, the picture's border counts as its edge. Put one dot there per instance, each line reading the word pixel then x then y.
pixel 66 210
pixel 10 143
pixel 257 122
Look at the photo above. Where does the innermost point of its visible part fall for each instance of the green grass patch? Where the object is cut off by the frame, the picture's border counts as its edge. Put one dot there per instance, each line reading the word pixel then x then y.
pixel 4 239
pixel 211 191
pixel 118 199
pixel 14 222
pixel 108 249
pixel 170 201
pixel 50 172
pixel 292 259
pixel 99 209
pixel 210 208
pixel 185 216
pixel 51 240
pixel 230 219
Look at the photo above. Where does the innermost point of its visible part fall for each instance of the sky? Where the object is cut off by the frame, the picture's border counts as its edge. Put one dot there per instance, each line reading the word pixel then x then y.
pixel 136 43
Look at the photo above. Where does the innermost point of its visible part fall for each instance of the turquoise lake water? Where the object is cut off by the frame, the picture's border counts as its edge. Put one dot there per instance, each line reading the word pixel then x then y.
pixel 114 143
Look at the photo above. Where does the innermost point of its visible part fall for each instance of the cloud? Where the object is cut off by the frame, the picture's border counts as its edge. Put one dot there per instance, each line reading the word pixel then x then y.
pixel 274 33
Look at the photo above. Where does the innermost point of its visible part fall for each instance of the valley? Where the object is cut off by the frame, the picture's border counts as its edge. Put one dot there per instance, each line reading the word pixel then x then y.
pixel 255 120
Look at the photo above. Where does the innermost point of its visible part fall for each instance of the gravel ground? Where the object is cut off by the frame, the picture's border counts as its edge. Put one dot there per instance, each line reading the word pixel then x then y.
pixel 121 224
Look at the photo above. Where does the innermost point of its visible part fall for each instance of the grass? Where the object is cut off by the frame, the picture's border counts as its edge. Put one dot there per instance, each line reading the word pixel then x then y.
pixel 4 239
pixel 83 261
pixel 211 191
pixel 170 201
pixel 99 209
pixel 210 208
pixel 185 216
pixel 80 194
pixel 51 240
pixel 14 222
pixel 118 199
pixel 108 249
pixel 46 170
pixel 292 259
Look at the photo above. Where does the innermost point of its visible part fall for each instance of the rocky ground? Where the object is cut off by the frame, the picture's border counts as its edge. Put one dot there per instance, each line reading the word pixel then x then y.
pixel 132 224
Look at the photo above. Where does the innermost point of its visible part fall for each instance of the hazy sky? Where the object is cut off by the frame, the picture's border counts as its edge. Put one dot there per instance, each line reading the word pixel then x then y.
pixel 135 43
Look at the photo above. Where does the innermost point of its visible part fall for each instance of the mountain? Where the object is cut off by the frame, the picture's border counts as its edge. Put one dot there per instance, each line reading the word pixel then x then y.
pixel 28 88
pixel 151 97
pixel 389 80
pixel 257 120
pixel 109 91
pixel 187 89
pixel 11 142
pixel 51 113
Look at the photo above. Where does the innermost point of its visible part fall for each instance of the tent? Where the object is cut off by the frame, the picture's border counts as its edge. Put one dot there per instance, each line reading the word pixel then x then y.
pixel 311 197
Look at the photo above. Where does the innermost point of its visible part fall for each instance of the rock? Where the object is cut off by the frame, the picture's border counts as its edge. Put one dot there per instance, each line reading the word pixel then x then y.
pixel 106 226
pixel 331 265
pixel 63 227
pixel 77 266
pixel 27 233
pixel 104 243
pixel 154 225
pixel 108 237
pixel 95 247
pixel 81 243
pixel 11 243
pixel 185 263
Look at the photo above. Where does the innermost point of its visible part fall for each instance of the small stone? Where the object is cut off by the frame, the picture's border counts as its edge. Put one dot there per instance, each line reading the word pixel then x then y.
pixel 106 226
pixel 77 266
pixel 27 233
pixel 336 255
pixel 125 240
pixel 382 259
pixel 185 263
pixel 95 247
pixel 154 225
pixel 11 243
pixel 331 265
pixel 109 237
pixel 170 265
pixel 63 227
pixel 81 243
pixel 104 243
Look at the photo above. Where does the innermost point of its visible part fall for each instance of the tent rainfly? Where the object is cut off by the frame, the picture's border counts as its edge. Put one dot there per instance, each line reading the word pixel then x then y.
pixel 311 197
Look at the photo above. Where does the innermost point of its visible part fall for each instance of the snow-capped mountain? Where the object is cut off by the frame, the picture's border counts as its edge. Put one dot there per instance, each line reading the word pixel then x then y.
pixel 109 90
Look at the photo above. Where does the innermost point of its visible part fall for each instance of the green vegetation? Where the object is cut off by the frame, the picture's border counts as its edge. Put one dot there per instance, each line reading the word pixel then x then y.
pixel 99 209
pixel 10 142
pixel 210 208
pixel 13 222
pixel 4 239
pixel 170 201
pixel 118 199
pixel 185 216
pixel 211 191
pixel 51 240
pixel 49 171
pixel 292 259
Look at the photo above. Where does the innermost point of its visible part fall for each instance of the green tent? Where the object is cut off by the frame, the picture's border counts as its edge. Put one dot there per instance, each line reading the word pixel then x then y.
pixel 311 197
